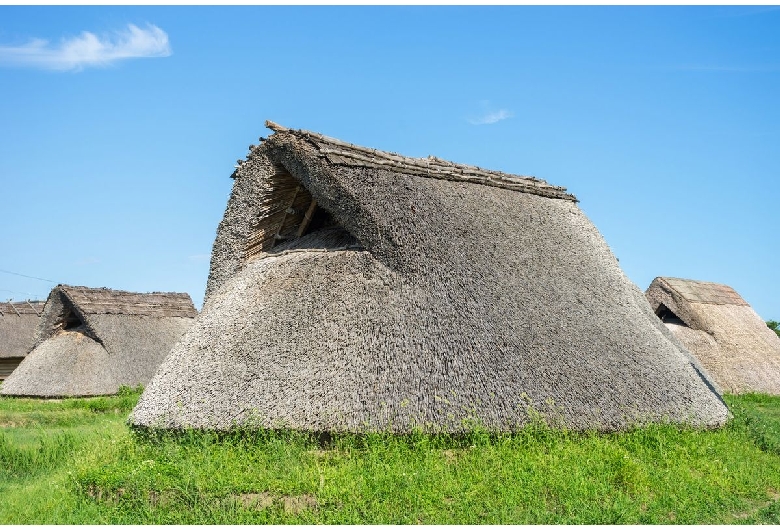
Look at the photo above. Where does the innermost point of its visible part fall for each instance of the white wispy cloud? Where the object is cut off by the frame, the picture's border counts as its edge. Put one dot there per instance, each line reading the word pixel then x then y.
pixel 199 258
pixel 490 115
pixel 88 49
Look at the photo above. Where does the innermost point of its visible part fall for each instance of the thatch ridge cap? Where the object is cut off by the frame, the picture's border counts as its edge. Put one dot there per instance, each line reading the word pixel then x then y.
pixel 103 300
pixel 339 152
pixel 701 292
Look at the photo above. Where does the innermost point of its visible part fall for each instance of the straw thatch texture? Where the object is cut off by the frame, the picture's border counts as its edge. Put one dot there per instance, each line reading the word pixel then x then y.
pixel 92 341
pixel 446 296
pixel 18 323
pixel 724 333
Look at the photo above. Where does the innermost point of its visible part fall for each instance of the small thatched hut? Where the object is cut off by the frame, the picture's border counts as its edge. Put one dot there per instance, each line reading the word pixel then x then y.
pixel 355 289
pixel 18 323
pixel 722 331
pixel 92 341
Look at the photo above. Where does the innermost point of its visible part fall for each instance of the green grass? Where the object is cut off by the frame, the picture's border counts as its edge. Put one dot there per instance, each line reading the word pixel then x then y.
pixel 75 461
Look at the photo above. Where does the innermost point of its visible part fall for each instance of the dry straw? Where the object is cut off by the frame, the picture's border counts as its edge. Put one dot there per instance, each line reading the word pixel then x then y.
pixel 18 322
pixel 724 333
pixel 92 341
pixel 354 289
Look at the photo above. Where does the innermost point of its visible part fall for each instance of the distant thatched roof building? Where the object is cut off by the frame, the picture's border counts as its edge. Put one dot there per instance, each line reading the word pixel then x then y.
pixel 92 341
pixel 724 333
pixel 18 322
pixel 354 289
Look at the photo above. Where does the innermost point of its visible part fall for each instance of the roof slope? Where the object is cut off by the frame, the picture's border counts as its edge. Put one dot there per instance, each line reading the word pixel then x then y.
pixel 92 341
pixel 351 294
pixel 18 322
pixel 339 153
pixel 105 301
pixel 726 335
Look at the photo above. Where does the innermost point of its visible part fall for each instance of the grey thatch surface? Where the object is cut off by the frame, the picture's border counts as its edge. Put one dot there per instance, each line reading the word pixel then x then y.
pixel 722 331
pixel 92 341
pixel 18 323
pixel 441 300
pixel 68 364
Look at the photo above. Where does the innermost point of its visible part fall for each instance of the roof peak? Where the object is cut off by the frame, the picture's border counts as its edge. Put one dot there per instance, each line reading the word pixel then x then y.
pixel 702 292
pixel 338 152
pixel 102 300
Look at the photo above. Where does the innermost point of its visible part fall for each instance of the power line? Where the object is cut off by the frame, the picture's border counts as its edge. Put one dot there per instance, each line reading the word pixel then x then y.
pixel 16 292
pixel 25 276
pixel 30 296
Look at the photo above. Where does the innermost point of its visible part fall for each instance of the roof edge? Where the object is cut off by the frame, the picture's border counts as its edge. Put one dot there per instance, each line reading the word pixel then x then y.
pixel 25 307
pixel 97 301
pixel 337 152
pixel 701 292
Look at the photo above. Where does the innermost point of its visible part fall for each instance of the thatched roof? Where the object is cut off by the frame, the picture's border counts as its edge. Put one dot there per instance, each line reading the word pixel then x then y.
pixel 353 289
pixel 721 329
pixel 18 322
pixel 105 301
pixel 92 341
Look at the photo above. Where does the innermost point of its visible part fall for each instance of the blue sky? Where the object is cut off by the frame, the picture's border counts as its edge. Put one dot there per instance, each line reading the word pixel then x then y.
pixel 121 125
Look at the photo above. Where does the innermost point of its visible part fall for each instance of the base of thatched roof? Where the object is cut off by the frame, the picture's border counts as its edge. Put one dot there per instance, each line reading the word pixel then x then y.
pixel 329 341
pixel 733 369
pixel 68 364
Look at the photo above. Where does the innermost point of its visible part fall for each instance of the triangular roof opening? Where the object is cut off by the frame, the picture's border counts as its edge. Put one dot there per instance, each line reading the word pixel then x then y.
pixel 667 316
pixel 71 321
pixel 289 217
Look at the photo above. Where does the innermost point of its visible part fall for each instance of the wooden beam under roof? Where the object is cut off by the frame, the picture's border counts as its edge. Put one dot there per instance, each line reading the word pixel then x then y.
pixel 307 218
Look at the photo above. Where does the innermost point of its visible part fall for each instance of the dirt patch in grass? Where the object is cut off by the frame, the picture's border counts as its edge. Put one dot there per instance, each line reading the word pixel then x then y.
pixel 105 496
pixel 257 501
pixel 298 503
pixel 774 496
pixel 451 456
pixel 162 498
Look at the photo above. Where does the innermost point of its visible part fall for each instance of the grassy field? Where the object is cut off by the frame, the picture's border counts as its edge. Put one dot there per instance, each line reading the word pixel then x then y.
pixel 75 461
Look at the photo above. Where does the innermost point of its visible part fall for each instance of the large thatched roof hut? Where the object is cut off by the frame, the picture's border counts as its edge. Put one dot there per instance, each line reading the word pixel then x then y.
pixel 722 331
pixel 18 323
pixel 355 289
pixel 92 341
